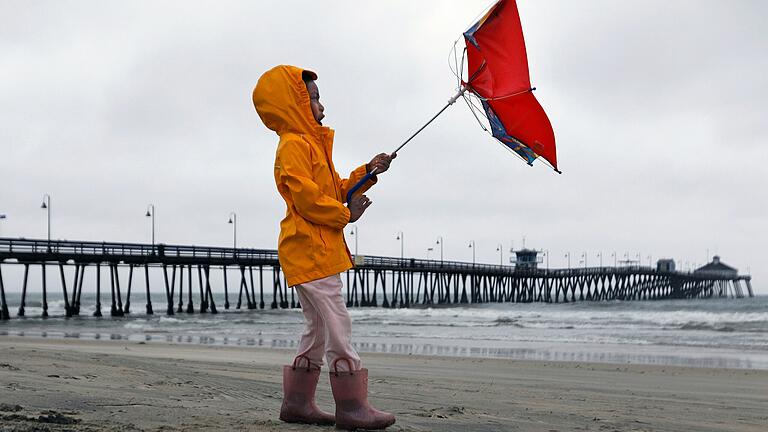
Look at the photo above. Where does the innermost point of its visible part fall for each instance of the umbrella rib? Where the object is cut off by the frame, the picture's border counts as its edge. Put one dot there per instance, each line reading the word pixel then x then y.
pixel 472 109
pixel 508 96
pixel 454 67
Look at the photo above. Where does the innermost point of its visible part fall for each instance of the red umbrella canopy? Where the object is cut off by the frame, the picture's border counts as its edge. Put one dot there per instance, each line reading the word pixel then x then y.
pixel 497 65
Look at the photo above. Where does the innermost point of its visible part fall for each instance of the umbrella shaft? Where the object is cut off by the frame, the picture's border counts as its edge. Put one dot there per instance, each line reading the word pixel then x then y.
pixel 373 172
pixel 451 101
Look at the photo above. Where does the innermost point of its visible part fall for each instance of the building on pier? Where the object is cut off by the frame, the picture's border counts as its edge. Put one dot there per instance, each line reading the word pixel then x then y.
pixel 526 258
pixel 717 268
pixel 665 265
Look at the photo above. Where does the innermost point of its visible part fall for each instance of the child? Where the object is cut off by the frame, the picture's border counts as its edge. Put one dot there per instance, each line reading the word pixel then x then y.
pixel 312 249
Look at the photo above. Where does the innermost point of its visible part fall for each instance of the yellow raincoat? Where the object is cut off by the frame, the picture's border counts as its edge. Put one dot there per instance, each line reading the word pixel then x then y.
pixel 311 244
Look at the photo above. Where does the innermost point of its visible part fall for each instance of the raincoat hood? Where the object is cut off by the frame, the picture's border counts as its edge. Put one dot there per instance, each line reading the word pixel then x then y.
pixel 282 101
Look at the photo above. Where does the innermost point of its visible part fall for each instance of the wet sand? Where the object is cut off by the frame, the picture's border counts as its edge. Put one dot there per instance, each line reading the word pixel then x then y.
pixel 84 385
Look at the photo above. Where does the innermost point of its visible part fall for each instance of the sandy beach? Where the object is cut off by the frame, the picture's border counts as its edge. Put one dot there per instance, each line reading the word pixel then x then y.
pixel 85 385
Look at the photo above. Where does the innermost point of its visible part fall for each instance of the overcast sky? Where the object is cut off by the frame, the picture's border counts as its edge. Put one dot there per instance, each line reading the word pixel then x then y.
pixel 659 110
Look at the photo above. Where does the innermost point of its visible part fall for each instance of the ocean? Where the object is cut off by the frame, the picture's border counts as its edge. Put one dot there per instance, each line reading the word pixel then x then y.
pixel 722 333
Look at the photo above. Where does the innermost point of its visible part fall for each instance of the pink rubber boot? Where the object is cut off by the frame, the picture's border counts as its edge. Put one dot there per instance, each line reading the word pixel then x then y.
pixel 299 386
pixel 353 411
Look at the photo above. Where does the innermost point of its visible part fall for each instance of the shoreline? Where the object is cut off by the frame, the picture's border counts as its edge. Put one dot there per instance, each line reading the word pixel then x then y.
pixel 122 385
pixel 663 355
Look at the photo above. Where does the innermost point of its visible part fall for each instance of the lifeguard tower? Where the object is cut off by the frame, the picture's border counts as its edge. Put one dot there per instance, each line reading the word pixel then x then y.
pixel 525 258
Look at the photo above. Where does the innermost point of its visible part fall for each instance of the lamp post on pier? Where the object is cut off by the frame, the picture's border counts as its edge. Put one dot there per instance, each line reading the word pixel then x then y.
pixel 568 256
pixel 600 255
pixel 472 246
pixel 151 214
pixel 401 237
pixel 546 255
pixel 233 221
pixel 500 250
pixel 584 256
pixel 354 231
pixel 429 249
pixel 2 217
pixel 47 207
pixel 440 242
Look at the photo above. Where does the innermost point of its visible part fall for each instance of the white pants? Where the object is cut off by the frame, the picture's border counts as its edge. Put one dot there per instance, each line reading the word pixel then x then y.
pixel 328 327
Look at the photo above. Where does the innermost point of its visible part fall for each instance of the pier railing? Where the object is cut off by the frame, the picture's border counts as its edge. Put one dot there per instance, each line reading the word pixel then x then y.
pixel 65 250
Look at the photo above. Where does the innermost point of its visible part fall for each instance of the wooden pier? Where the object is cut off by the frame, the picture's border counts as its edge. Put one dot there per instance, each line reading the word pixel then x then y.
pixel 374 282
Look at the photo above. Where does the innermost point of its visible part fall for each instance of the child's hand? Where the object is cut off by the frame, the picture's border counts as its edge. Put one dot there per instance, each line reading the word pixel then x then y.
pixel 357 207
pixel 380 162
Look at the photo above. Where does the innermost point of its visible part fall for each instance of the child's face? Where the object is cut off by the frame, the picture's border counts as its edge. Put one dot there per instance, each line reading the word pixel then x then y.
pixel 314 102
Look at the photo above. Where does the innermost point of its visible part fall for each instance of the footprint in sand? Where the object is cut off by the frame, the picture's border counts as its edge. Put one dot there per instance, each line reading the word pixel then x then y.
pixel 444 412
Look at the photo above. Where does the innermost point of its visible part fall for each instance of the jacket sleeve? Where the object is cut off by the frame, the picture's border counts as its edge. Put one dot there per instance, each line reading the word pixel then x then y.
pixel 295 172
pixel 346 184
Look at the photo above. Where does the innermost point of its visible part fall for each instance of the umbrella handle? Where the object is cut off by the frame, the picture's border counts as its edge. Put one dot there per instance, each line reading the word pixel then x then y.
pixel 360 184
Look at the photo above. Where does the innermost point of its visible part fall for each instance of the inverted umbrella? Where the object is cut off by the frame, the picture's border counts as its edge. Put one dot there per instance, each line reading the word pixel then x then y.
pixel 497 76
